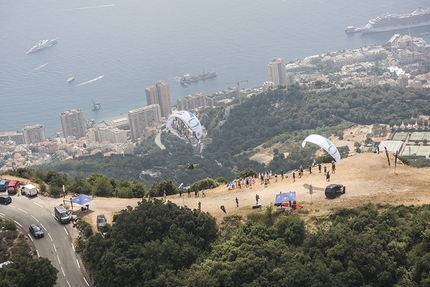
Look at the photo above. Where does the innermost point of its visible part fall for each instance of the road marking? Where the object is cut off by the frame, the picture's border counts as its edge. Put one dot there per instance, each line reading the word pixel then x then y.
pixel 38 204
pixel 50 236
pixel 86 281
pixel 58 258
pixel 65 230
pixel 73 247
pixel 68 283
pixel 43 227
pixel 62 270
pixel 35 218
pixel 77 262
pixel 18 223
pixel 54 216
pixel 23 210
pixel 31 238
pixel 2 214
pixel 37 251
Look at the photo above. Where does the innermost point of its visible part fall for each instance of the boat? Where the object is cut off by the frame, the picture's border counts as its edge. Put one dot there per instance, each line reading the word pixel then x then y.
pixel 96 106
pixel 389 22
pixel 187 78
pixel 42 44
pixel 70 79
pixel 352 29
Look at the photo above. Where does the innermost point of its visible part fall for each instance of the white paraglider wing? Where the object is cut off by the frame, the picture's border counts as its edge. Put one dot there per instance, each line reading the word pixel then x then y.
pixel 190 119
pixel 325 143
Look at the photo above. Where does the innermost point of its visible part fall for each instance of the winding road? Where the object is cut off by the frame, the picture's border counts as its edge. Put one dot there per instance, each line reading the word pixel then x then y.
pixel 57 245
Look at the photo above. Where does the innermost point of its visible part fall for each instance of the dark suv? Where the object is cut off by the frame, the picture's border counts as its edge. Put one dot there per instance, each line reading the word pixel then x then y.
pixel 101 221
pixel 333 190
pixel 36 231
pixel 5 199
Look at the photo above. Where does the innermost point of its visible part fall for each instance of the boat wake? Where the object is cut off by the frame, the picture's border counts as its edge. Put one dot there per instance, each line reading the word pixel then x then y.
pixel 90 81
pixel 92 7
pixel 40 67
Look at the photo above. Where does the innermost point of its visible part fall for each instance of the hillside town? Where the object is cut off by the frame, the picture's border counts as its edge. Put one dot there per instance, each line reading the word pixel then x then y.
pixel 404 61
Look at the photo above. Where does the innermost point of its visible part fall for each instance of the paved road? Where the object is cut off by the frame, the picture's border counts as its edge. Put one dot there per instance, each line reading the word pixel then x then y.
pixel 57 245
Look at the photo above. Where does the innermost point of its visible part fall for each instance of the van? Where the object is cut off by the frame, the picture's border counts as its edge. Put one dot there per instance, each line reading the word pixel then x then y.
pixel 29 190
pixel 13 186
pixel 5 199
pixel 61 214
pixel 333 190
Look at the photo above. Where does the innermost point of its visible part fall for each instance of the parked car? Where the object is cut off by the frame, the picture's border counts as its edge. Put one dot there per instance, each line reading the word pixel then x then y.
pixel 101 221
pixel 333 190
pixel 5 199
pixel 36 231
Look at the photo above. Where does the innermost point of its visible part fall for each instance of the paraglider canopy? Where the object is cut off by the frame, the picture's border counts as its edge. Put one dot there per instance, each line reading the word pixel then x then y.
pixel 193 166
pixel 190 119
pixel 325 143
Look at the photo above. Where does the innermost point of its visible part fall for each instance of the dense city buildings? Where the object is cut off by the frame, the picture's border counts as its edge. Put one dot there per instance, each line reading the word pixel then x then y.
pixel 143 117
pixel 159 94
pixel 73 123
pixel 34 134
pixel 276 72
pixel 192 102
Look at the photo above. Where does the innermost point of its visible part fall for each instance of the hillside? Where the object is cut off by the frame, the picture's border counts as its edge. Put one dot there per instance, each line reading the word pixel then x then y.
pixel 367 178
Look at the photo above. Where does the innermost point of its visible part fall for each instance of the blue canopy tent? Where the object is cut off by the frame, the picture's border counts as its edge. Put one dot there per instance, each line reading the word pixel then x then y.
pixel 285 197
pixel 81 200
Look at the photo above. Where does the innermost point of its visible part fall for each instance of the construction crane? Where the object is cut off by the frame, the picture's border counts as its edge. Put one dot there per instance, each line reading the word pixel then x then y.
pixel 238 88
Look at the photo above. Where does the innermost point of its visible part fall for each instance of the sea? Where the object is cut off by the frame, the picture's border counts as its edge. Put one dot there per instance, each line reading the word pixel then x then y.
pixel 116 48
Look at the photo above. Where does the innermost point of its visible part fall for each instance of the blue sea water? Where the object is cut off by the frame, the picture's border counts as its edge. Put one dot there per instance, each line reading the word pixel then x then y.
pixel 134 43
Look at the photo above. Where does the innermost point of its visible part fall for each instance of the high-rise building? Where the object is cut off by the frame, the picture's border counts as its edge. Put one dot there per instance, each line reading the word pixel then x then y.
pixel 276 72
pixel 159 94
pixel 192 102
pixel 141 118
pixel 34 134
pixel 73 123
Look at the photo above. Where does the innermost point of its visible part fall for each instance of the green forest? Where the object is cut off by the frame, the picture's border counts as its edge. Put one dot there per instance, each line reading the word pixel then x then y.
pixel 281 116
pixel 157 244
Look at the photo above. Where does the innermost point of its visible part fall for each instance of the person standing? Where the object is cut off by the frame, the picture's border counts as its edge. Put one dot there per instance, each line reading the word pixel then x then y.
pixel 200 206
pixel 203 193
pixel 333 167
pixel 282 174
pixel 237 202
pixel 257 197
pixel 294 176
pixel 327 177
pixel 325 169
pixel 319 168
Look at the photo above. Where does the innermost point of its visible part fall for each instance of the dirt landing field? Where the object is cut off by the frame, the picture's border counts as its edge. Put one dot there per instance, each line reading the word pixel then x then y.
pixel 367 177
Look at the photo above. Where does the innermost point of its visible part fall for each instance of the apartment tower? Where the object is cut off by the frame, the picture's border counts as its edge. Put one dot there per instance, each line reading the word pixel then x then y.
pixel 276 72
pixel 73 123
pixel 141 118
pixel 159 94
pixel 34 134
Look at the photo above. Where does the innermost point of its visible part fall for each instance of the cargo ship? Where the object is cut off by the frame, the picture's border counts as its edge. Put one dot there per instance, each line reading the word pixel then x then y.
pixel 390 22
pixel 42 44
pixel 187 78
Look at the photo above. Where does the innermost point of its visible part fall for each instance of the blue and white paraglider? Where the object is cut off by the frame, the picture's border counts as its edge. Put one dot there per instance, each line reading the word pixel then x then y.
pixel 188 118
pixel 325 143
